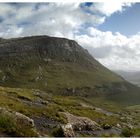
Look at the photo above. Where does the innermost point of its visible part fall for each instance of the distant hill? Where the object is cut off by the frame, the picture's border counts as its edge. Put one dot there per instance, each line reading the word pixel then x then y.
pixel 133 77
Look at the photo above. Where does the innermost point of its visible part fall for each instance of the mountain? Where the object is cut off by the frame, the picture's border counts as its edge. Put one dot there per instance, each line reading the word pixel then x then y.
pixel 131 76
pixel 57 65
pixel 52 87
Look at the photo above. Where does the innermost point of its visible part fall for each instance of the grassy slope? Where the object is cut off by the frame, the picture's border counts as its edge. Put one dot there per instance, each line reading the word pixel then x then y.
pixel 56 74
pixel 13 98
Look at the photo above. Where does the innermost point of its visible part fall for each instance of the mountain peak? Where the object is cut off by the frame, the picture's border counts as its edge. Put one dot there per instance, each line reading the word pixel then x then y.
pixel 48 48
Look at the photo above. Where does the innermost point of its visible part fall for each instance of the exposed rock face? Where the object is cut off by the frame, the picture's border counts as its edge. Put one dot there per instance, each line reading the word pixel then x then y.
pixel 47 48
pixel 23 125
pixel 18 116
pixel 82 123
pixel 106 126
pixel 67 130
pixel 25 120
pixel 76 123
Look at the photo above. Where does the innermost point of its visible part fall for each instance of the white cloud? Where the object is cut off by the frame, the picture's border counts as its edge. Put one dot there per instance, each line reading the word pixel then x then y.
pixel 115 51
pixel 109 8
pixel 64 19
pixel 70 20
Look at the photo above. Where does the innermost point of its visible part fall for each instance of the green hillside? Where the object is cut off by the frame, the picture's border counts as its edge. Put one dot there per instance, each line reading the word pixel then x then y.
pixel 50 64
pixel 49 82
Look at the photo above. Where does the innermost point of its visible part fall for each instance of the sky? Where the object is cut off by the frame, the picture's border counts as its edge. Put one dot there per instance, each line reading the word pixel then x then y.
pixel 109 31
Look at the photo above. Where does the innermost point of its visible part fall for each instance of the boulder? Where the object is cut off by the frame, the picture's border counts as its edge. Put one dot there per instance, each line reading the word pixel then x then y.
pixel 75 123
pixel 63 130
pixel 82 123
pixel 67 130
pixel 118 125
pixel 106 126
pixel 24 119
pixel 23 126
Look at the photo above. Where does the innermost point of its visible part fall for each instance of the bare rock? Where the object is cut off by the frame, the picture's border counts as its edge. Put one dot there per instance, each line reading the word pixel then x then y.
pixel 26 120
pixel 44 102
pixel 118 125
pixel 106 126
pixel 82 123
pixel 67 130
pixel 23 125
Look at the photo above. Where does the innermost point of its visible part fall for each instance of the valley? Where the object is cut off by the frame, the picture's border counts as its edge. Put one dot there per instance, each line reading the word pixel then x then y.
pixel 132 76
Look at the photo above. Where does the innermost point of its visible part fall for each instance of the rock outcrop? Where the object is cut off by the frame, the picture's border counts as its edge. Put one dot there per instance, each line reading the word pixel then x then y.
pixel 82 123
pixel 76 123
pixel 22 125
pixel 67 130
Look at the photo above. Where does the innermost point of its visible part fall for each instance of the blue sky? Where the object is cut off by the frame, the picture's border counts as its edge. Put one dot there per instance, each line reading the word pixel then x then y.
pixel 110 31
pixel 127 22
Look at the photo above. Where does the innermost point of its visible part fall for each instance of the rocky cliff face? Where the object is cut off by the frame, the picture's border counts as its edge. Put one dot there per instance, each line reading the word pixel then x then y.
pixel 46 48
